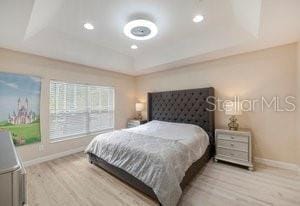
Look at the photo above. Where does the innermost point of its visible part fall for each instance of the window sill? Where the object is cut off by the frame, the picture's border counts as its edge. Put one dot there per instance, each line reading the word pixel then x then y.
pixel 62 139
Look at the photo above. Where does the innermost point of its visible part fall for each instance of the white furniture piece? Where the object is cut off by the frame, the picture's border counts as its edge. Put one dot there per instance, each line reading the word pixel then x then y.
pixel 234 147
pixel 134 123
pixel 12 174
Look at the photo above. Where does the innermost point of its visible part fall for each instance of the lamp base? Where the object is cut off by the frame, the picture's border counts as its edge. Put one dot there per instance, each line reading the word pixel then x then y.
pixel 233 125
pixel 139 116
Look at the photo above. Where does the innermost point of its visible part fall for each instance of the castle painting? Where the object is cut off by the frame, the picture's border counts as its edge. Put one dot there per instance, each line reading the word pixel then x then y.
pixel 20 107
pixel 23 115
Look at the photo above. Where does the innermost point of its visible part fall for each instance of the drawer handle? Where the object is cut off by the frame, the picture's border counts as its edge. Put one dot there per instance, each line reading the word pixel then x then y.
pixel 231 154
pixel 232 145
pixel 232 137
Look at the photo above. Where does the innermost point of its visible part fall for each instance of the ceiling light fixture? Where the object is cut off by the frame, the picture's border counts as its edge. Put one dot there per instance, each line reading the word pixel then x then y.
pixel 134 46
pixel 88 26
pixel 198 18
pixel 140 29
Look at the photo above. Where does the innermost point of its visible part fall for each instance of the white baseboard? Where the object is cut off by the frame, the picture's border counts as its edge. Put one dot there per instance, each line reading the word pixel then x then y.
pixel 278 164
pixel 53 156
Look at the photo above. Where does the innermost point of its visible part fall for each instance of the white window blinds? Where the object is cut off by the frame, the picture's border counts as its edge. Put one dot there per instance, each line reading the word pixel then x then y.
pixel 77 109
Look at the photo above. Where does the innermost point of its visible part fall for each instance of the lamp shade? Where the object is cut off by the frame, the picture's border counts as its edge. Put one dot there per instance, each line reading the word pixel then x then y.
pixel 233 108
pixel 139 107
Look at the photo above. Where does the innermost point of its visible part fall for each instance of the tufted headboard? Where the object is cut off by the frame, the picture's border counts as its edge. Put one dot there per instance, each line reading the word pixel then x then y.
pixel 184 106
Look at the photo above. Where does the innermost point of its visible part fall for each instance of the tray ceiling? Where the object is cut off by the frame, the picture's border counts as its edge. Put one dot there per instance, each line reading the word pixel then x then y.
pixel 54 29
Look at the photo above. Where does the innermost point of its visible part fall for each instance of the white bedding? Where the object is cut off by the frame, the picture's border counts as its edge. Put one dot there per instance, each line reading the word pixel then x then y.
pixel 190 135
pixel 157 153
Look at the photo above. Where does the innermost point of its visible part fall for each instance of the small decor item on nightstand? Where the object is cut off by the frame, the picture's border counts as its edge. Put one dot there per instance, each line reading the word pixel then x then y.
pixel 233 109
pixel 139 107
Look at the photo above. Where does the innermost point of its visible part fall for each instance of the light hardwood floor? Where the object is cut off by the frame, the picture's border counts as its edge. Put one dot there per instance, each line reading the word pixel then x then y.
pixel 73 181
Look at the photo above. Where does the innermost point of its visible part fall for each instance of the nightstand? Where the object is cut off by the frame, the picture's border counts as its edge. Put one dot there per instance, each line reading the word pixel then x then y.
pixel 234 147
pixel 134 123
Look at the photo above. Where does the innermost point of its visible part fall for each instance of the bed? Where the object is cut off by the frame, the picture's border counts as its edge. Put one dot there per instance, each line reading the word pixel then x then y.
pixel 182 110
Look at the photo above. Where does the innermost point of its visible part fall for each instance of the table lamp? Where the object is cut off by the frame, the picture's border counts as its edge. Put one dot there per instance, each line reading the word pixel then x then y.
pixel 233 109
pixel 139 107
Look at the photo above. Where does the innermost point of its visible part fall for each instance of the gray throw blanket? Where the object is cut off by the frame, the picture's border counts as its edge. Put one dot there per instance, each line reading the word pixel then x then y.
pixel 159 163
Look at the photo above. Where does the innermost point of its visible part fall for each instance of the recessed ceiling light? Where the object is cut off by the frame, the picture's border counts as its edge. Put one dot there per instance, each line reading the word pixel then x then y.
pixel 140 29
pixel 134 46
pixel 198 18
pixel 89 26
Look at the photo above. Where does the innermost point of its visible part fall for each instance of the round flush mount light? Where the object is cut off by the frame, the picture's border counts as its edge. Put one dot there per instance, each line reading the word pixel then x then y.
pixel 88 26
pixel 134 47
pixel 140 29
pixel 198 18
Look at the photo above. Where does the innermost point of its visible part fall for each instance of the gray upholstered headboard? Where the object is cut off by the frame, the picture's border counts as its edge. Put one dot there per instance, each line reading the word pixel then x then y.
pixel 184 106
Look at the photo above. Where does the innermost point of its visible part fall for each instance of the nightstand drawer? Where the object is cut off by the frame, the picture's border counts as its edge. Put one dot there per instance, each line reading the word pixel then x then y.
pixel 242 146
pixel 135 123
pixel 232 137
pixel 130 125
pixel 233 154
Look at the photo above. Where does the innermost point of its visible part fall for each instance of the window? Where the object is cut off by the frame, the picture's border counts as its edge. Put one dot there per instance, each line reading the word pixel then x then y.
pixel 77 109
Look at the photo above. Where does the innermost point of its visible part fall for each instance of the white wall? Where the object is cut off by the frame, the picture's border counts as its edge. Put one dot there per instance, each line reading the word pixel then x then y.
pixel 263 73
pixel 47 69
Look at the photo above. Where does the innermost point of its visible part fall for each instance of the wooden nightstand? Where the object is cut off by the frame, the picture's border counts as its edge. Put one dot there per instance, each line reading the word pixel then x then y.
pixel 234 147
pixel 134 123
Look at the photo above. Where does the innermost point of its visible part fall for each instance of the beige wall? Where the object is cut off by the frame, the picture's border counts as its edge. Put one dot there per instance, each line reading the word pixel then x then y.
pixel 50 69
pixel 263 73
pixel 298 103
